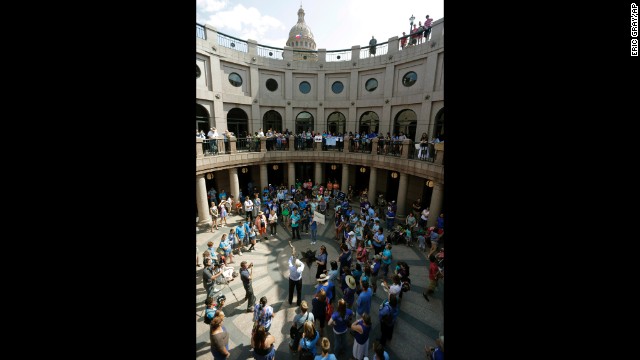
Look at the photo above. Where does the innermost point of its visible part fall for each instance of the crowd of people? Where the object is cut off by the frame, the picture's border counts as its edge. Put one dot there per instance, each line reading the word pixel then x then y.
pixel 419 33
pixel 347 282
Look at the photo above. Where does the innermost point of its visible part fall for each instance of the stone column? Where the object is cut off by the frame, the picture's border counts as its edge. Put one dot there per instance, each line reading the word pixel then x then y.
pixel 346 140
pixel 318 172
pixel 436 204
pixel 201 200
pixel 374 146
pixel 402 196
pixel 292 173
pixel 234 183
pixel 373 180
pixel 264 176
pixel 345 178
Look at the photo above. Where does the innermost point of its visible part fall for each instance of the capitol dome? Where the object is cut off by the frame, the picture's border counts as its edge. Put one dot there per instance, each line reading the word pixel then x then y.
pixel 301 38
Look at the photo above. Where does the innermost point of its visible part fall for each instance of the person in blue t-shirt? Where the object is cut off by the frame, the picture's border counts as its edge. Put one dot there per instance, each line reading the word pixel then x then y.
pixel 388 316
pixel 436 353
pixel 379 353
pixel 386 260
pixel 326 346
pixel 309 338
pixel 364 300
pixel 240 233
pixel 339 321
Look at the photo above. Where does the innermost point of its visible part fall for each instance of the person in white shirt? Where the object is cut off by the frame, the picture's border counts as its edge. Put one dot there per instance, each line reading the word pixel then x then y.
pixel 260 133
pixel 295 277
pixel 248 208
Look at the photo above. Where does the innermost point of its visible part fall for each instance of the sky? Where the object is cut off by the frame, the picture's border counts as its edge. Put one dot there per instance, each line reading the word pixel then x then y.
pixel 335 24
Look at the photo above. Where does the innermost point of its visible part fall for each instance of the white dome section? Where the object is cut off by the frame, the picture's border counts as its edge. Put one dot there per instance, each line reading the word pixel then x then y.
pixel 305 35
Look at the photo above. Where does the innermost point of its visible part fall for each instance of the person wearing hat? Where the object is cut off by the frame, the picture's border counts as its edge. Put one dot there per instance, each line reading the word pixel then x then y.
pixel 351 241
pixel 327 285
pixel 349 291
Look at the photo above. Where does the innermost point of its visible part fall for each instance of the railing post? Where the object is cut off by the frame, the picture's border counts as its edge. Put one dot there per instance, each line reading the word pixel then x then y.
pixel 263 144
pixel 439 153
pixel 374 145
pixel 355 53
pixel 346 143
pixel 199 152
pixel 406 143
pixel 292 143
pixel 232 145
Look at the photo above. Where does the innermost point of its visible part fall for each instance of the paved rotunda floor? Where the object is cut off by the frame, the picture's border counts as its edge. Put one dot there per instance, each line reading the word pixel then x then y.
pixel 419 321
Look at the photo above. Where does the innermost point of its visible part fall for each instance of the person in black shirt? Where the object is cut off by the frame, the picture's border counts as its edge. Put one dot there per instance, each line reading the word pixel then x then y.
pixel 245 275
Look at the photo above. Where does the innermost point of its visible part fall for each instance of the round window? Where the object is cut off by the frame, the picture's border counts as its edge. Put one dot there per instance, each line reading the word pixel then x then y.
pixel 272 85
pixel 337 87
pixel 235 79
pixel 371 84
pixel 409 78
pixel 197 71
pixel 305 87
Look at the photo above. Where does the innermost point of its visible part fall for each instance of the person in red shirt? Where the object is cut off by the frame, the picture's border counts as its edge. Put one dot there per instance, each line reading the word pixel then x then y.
pixel 403 41
pixel 433 276
pixel 427 28
pixel 414 35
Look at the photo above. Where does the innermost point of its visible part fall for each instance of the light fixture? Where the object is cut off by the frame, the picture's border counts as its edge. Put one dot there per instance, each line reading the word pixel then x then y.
pixel 288 102
pixel 386 101
pixel 427 97
pixel 217 96
pixel 429 183
pixel 394 175
pixel 210 176
pixel 320 104
pixel 353 103
pixel 363 169
pixel 245 170
pixel 275 167
pixel 411 22
pixel 253 59
pixel 334 167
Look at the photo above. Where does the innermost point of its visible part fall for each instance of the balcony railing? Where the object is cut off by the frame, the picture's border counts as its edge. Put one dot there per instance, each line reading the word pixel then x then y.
pixel 232 43
pixel 390 148
pixel 248 145
pixel 215 147
pixel 381 49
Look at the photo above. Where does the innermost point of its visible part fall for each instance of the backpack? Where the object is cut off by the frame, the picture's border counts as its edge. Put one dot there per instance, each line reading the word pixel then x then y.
pixel 328 310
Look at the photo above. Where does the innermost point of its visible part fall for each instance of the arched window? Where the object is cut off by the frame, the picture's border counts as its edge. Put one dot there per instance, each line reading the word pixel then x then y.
pixel 272 120
pixel 304 122
pixel 369 121
pixel 237 122
pixel 336 123
pixel 406 122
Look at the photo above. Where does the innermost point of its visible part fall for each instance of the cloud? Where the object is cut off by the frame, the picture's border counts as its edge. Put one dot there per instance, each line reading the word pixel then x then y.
pixel 244 23
pixel 207 6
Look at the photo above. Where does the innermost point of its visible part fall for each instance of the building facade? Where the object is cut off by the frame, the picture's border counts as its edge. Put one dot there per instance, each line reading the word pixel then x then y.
pixel 242 87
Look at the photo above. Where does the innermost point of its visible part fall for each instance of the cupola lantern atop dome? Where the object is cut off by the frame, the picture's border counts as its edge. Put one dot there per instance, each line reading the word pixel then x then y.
pixel 301 38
